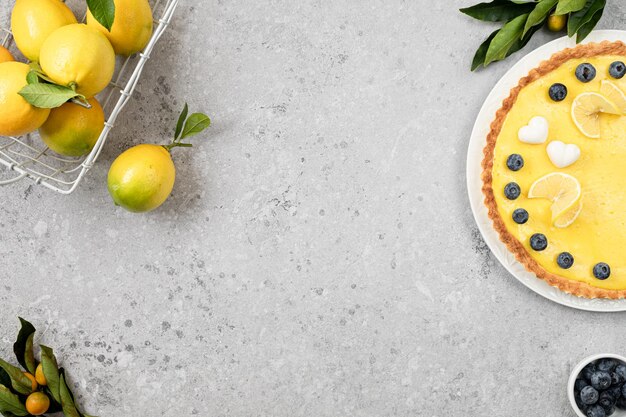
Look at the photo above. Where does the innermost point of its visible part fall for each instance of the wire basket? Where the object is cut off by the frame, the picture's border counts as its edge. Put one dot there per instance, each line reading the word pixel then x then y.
pixel 27 157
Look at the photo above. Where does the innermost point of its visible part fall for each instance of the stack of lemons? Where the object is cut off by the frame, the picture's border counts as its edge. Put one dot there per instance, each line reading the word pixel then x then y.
pixel 69 54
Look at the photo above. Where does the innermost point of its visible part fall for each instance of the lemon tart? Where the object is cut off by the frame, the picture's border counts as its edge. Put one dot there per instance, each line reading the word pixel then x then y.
pixel 554 171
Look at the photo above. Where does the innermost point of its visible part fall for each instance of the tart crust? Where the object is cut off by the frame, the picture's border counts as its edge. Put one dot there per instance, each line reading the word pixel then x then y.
pixel 580 289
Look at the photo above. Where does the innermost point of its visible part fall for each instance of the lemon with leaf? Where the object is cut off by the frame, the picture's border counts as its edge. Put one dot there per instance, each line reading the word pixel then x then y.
pixel 17 116
pixel 142 178
pixel 73 130
pixel 132 26
pixel 79 57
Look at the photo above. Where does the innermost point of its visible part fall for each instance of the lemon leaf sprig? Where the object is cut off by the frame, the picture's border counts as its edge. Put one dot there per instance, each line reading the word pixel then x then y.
pixel 187 127
pixel 523 18
pixel 40 91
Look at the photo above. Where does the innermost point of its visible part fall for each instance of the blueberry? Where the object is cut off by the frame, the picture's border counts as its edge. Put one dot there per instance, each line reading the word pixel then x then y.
pixel 515 162
pixel 512 191
pixel 615 391
pixel 585 72
pixel 624 391
pixel 609 411
pixel 616 379
pixel 621 371
pixel 601 271
pixel 621 402
pixel 588 370
pixel 596 411
pixel 617 70
pixel 606 364
pixel 580 384
pixel 565 260
pixel 520 216
pixel 589 395
pixel 581 405
pixel 606 400
pixel 601 380
pixel 539 242
pixel 558 92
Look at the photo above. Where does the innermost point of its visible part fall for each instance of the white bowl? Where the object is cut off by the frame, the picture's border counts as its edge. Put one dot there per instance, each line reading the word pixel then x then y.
pixel 576 373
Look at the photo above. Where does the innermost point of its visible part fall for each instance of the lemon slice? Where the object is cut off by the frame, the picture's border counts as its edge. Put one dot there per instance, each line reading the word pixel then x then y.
pixel 586 110
pixel 562 189
pixel 614 94
pixel 569 216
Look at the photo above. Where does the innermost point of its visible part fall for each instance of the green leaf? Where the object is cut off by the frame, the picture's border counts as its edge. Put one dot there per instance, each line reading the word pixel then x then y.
pixel 32 77
pixel 569 6
pixel 481 53
pixel 583 16
pixel 539 13
pixel 67 399
pixel 10 403
pixel 50 371
pixel 47 96
pixel 19 381
pixel 498 10
pixel 520 43
pixel 103 11
pixel 586 29
pixel 23 346
pixel 181 120
pixel 505 39
pixel 196 123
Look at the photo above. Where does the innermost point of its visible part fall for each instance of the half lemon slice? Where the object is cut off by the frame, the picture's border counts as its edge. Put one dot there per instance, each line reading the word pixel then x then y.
pixel 614 94
pixel 569 216
pixel 586 110
pixel 563 191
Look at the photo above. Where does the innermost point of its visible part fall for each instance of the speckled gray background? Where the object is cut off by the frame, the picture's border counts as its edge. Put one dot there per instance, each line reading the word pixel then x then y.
pixel 318 256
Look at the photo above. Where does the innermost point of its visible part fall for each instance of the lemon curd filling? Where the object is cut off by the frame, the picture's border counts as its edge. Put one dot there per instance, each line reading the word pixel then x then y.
pixel 598 232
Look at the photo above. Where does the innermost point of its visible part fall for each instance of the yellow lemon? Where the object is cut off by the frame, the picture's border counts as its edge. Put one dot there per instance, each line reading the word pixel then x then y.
pixel 556 23
pixel 80 56
pixel 132 27
pixel 73 130
pixel 33 381
pixel 32 21
pixel 142 178
pixel 37 403
pixel 39 376
pixel 17 116
pixel 5 55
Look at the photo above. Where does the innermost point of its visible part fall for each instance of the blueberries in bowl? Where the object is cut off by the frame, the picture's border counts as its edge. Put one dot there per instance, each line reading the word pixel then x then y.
pixel 600 388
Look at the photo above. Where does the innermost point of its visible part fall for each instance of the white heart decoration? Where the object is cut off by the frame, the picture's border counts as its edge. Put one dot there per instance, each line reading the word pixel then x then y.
pixel 562 154
pixel 535 132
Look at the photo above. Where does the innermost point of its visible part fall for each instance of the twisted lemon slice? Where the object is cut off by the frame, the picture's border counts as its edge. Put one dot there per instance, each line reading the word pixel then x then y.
pixel 586 110
pixel 562 189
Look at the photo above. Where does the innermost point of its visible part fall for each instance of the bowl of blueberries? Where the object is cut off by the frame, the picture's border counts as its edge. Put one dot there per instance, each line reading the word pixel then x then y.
pixel 597 386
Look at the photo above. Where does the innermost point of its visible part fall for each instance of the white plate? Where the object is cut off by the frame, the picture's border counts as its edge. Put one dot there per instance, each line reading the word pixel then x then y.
pixel 474 170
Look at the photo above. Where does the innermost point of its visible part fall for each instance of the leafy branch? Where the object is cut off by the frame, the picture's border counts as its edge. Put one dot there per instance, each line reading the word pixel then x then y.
pixel 523 18
pixel 187 127
pixel 40 380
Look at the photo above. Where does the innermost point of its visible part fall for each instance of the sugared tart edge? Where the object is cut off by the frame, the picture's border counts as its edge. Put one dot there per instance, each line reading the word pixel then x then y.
pixel 580 289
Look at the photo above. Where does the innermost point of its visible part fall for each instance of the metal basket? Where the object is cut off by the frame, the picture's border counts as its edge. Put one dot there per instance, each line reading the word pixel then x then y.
pixel 27 157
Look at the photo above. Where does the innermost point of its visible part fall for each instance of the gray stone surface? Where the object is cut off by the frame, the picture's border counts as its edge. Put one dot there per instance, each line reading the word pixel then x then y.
pixel 318 256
